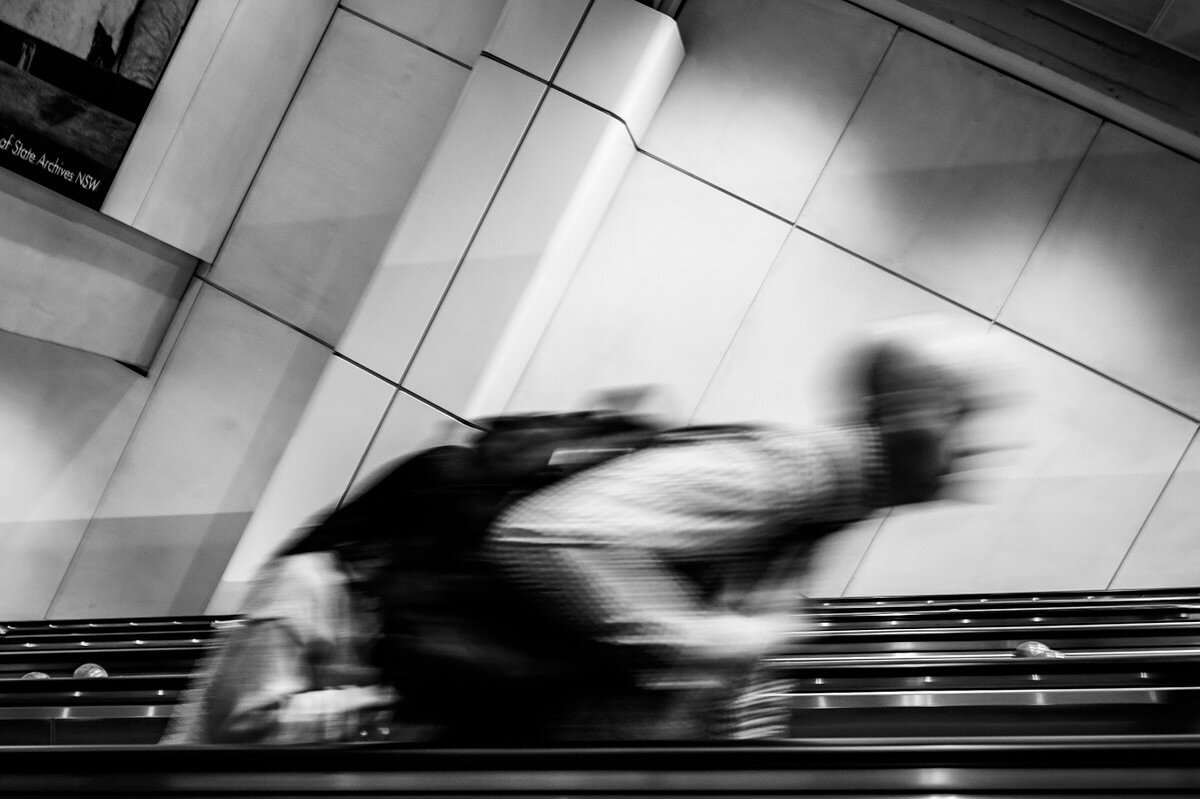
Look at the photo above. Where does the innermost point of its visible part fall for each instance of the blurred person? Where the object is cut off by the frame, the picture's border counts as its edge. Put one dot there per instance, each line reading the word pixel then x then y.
pixel 633 591
pixel 387 585
pixel 299 667
pixel 661 581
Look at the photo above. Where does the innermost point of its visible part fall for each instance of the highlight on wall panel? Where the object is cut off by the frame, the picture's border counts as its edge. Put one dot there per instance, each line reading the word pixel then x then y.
pixel 76 77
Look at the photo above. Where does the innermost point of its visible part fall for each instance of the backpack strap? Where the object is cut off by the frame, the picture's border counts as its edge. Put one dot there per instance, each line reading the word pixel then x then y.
pixel 711 432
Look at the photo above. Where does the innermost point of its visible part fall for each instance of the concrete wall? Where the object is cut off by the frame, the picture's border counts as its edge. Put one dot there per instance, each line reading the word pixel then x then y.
pixel 815 167
pixel 467 207
pixel 128 492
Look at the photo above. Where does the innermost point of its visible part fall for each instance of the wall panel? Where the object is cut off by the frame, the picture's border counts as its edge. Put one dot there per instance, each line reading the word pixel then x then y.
pixel 525 253
pixel 313 473
pixel 948 172
pixel 765 92
pixel 168 108
pixel 65 416
pixel 533 35
pixel 783 364
pixel 1165 552
pixel 671 271
pixel 623 60
pixel 442 215
pixel 229 122
pixel 1060 514
pixel 221 413
pixel 458 29
pixel 410 425
pixel 338 175
pixel 70 276
pixel 1113 281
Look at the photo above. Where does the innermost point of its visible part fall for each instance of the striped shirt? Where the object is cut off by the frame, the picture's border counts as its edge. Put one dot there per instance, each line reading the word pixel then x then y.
pixel 294 671
pixel 653 552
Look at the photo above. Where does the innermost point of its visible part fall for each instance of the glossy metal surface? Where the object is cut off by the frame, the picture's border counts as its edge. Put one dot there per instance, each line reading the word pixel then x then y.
pixel 986 698
pixel 812 767
pixel 139 711
pixel 1128 666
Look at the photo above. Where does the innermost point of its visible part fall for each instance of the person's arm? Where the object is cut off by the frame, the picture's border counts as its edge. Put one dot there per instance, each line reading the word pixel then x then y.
pixel 264 689
pixel 599 549
pixel 634 604
pixel 263 693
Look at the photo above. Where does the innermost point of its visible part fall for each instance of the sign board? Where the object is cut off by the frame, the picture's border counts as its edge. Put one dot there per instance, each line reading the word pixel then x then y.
pixel 76 77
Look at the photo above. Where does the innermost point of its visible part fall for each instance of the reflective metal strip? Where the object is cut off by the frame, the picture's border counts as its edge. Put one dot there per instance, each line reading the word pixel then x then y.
pixel 981 698
pixel 88 712
pixel 938 658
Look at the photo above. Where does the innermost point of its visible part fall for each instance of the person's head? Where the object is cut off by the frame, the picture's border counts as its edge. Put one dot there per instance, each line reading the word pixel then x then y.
pixel 920 380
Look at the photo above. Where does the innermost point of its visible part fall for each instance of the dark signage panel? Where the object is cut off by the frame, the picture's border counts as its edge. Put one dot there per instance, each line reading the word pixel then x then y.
pixel 76 77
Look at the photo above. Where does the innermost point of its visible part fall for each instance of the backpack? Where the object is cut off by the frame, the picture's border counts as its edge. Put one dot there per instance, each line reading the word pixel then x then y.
pixel 455 492
pixel 441 500
pixel 457 640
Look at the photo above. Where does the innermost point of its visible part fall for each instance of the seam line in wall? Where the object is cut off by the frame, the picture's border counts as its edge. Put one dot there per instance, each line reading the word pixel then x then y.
pixel 1165 9
pixel 928 290
pixel 714 186
pixel 470 243
pixel 571 41
pixel 608 113
pixel 1136 391
pixel 259 309
pixel 157 373
pixel 866 550
pixel 1150 514
pixel 363 367
pixel 367 449
pixel 1161 403
pixel 445 411
pixel 849 121
pixel 510 65
pixel 1070 181
pixel 398 390
pixel 267 153
pixel 741 323
pixel 793 224
pixel 583 100
pixel 403 36
pixel 471 239
pixel 892 272
pixel 191 102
